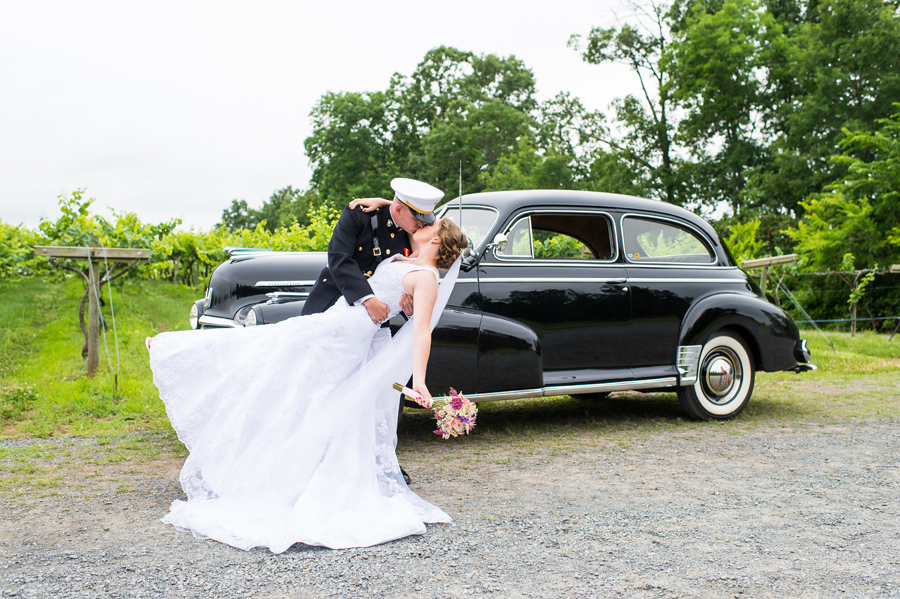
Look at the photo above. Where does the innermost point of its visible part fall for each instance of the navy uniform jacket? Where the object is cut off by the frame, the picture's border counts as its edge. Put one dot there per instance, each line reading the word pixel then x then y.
pixel 351 258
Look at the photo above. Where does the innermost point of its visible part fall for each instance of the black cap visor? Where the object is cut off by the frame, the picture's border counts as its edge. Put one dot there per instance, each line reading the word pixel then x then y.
pixel 428 218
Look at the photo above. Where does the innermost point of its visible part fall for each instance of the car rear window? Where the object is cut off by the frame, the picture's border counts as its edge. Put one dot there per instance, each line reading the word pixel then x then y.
pixel 657 241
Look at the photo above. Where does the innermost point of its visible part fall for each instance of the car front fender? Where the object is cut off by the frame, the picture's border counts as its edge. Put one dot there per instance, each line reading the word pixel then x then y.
pixel 509 356
pixel 270 313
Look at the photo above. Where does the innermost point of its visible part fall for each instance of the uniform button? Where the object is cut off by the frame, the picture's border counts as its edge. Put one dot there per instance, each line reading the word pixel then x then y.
pixel 360 248
pixel 392 235
pixel 389 251
pixel 323 280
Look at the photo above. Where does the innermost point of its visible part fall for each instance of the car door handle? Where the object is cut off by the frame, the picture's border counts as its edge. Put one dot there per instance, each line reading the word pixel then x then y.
pixel 616 281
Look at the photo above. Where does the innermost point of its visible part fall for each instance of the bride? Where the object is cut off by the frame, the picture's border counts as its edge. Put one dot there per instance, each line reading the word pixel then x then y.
pixel 291 432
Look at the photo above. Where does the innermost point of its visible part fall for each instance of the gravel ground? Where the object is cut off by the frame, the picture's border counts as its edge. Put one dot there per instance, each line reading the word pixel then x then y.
pixel 810 511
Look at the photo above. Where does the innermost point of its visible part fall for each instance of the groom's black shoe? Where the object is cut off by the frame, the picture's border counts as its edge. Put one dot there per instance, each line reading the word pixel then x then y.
pixel 405 475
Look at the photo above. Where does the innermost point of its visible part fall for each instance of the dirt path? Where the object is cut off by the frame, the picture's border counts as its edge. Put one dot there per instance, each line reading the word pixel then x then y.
pixel 805 512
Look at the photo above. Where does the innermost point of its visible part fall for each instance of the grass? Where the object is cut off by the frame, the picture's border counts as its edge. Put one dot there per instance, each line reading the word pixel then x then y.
pixel 43 391
pixel 45 396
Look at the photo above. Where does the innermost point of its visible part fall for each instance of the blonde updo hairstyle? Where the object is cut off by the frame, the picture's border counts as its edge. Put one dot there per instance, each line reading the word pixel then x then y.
pixel 453 242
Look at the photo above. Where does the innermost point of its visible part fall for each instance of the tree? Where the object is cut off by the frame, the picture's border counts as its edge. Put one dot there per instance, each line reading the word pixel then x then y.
pixel 649 138
pixel 717 75
pixel 526 169
pixel 478 139
pixel 284 207
pixel 837 67
pixel 455 108
pixel 239 216
pixel 860 211
pixel 350 146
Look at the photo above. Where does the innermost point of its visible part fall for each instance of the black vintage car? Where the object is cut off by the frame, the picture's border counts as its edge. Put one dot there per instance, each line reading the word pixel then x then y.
pixel 566 293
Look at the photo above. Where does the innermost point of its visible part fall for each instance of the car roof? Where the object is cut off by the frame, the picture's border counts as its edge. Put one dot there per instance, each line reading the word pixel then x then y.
pixel 509 201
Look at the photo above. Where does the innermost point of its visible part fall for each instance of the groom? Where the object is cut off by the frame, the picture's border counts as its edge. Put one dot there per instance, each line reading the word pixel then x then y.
pixel 360 241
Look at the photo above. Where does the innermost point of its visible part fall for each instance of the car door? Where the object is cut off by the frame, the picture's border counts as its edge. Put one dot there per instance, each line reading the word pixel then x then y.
pixel 454 360
pixel 670 264
pixel 560 275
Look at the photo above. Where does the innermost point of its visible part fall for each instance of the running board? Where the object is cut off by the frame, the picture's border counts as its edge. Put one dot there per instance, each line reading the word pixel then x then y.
pixel 573 390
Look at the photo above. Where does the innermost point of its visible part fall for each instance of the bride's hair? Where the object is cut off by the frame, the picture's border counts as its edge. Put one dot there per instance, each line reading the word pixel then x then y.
pixel 453 242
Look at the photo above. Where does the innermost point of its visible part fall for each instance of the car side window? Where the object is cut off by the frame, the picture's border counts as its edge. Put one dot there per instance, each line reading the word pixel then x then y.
pixel 561 235
pixel 657 241
pixel 519 240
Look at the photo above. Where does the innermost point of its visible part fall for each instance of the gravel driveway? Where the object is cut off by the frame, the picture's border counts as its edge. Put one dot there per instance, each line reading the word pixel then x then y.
pixel 717 511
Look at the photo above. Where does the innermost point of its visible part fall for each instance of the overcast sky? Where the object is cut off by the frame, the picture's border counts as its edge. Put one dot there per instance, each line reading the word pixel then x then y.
pixel 172 109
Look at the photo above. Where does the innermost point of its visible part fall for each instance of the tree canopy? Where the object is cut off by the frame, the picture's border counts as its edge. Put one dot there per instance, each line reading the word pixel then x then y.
pixel 774 112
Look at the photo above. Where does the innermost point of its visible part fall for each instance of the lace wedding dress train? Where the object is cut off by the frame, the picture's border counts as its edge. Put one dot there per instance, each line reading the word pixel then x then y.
pixel 291 431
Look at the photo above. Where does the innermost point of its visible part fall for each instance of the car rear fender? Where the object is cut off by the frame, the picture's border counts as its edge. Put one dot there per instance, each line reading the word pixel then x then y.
pixel 769 331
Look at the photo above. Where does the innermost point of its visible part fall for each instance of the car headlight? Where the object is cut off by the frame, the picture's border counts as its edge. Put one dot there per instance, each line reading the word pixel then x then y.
pixel 194 316
pixel 250 319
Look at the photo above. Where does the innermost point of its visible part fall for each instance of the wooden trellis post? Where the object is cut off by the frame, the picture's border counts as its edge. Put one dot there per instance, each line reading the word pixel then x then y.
pixel 764 264
pixel 97 257
pixel 895 270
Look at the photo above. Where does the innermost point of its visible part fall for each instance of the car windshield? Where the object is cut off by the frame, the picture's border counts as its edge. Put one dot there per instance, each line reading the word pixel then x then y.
pixel 476 222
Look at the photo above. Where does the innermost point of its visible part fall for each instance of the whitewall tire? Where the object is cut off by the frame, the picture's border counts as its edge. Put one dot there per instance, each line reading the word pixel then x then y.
pixel 725 377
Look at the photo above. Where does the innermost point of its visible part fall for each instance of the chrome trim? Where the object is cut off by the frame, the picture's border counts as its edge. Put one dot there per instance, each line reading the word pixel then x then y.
pixel 519 261
pixel 721 377
pixel 801 351
pixel 283 283
pixel 679 265
pixel 573 389
pixel 218 321
pixel 240 251
pixel 194 315
pixel 280 294
pixel 668 381
pixel 554 280
pixel 674 280
pixel 688 361
pixel 552 261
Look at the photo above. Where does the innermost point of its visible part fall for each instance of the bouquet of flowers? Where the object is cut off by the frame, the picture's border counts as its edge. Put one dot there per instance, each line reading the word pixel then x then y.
pixel 455 417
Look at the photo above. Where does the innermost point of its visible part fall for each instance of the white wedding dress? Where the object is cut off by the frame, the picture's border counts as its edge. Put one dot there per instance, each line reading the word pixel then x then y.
pixel 291 431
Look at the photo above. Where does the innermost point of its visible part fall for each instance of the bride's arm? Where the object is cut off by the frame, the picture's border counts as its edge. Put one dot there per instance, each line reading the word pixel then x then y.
pixel 422 285
pixel 369 204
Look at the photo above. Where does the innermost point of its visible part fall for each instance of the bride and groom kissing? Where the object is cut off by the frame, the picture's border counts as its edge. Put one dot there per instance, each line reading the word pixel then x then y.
pixel 291 427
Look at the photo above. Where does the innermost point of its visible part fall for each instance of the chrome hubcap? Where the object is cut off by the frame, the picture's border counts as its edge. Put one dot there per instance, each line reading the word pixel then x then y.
pixel 721 375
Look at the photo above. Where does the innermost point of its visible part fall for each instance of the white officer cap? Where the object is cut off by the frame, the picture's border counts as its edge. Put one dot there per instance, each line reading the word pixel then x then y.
pixel 419 196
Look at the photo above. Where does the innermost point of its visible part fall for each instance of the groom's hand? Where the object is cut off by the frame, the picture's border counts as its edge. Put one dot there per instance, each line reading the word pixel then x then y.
pixel 378 310
pixel 406 304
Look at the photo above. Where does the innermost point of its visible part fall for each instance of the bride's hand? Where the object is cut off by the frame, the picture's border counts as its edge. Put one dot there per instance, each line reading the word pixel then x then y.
pixel 424 398
pixel 406 304
pixel 368 204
